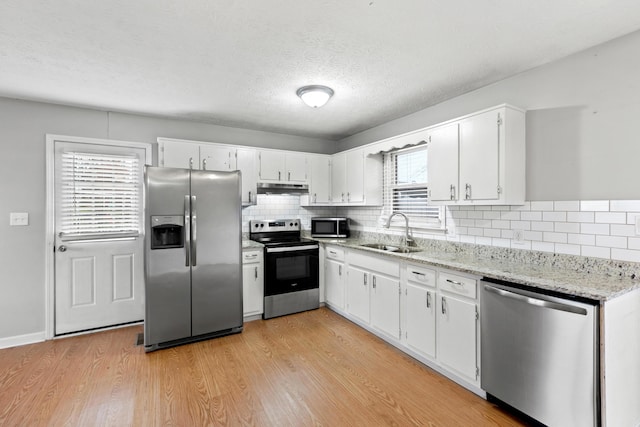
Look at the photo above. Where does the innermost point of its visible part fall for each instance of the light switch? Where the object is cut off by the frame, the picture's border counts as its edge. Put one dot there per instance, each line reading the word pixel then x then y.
pixel 19 218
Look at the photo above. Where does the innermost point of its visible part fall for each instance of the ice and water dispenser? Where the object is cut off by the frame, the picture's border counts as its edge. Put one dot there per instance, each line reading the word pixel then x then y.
pixel 167 231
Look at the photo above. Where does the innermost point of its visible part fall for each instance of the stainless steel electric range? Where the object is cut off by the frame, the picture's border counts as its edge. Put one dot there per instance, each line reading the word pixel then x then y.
pixel 291 282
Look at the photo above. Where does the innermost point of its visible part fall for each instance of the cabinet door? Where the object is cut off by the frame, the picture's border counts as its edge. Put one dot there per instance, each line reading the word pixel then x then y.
pixel 355 176
pixel 334 282
pixel 246 163
pixel 479 157
pixel 216 158
pixel 420 329
pixel 296 165
pixel 385 304
pixel 184 155
pixel 320 179
pixel 358 293
pixel 338 178
pixel 457 334
pixel 271 166
pixel 252 289
pixel 442 164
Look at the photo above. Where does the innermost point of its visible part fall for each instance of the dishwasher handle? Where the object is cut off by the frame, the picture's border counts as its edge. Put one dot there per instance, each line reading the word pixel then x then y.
pixel 535 301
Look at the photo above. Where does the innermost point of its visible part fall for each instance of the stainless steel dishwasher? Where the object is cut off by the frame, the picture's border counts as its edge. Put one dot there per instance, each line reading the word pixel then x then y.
pixel 540 354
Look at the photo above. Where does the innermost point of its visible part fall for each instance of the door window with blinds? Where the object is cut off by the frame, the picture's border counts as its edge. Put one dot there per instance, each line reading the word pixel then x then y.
pixel 406 188
pixel 101 195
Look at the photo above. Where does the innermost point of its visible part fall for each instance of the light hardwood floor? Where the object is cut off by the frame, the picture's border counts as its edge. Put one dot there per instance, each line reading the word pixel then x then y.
pixel 309 369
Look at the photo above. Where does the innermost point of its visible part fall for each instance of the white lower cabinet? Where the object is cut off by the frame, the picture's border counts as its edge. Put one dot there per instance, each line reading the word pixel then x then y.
pixel 334 277
pixel 429 312
pixel 358 293
pixel 252 283
pixel 420 308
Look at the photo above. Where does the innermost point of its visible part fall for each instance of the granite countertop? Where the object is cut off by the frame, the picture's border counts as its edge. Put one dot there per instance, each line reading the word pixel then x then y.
pixel 250 244
pixel 591 278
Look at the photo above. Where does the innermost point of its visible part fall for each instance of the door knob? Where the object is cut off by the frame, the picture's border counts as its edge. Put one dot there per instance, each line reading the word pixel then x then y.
pixel 62 248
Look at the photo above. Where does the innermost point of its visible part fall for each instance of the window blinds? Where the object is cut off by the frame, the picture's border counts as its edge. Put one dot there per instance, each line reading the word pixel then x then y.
pixel 406 187
pixel 100 195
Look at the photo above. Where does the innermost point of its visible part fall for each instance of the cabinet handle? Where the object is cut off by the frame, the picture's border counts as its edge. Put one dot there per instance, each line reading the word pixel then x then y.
pixel 467 191
pixel 365 279
pixel 256 270
pixel 190 162
pixel 453 282
pixel 428 299
pixel 250 196
pixel 288 176
pixel 374 282
pixel 278 175
pixel 444 306
pixel 204 164
pixel 339 270
pixel 348 197
pixel 343 197
pixel 452 191
pixel 315 198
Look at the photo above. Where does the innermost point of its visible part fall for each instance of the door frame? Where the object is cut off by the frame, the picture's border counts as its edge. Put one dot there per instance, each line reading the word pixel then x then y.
pixel 49 291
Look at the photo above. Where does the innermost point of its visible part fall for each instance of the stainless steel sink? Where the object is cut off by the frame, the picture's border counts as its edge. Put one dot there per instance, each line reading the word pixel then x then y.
pixel 391 248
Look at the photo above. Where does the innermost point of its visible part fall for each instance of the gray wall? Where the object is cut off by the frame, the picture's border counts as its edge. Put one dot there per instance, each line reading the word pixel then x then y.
pixel 23 126
pixel 582 140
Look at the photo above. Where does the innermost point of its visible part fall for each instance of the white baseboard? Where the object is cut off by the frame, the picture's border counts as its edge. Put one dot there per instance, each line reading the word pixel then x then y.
pixel 22 340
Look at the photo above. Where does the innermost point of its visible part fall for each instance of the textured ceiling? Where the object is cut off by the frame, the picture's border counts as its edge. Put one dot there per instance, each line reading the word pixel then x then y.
pixel 239 62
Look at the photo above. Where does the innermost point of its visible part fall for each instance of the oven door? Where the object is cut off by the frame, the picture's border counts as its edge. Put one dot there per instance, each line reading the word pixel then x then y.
pixel 290 269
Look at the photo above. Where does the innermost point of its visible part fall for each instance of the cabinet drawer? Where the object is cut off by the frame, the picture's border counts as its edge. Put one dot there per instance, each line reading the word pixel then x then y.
pixel 334 252
pixel 421 275
pixel 251 256
pixel 457 284
pixel 375 264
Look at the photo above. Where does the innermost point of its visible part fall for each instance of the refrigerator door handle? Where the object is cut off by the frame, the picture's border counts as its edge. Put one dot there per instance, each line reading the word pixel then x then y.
pixel 194 239
pixel 187 231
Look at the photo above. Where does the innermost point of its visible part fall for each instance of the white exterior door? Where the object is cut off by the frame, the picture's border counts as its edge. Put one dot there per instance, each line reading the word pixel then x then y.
pixel 98 261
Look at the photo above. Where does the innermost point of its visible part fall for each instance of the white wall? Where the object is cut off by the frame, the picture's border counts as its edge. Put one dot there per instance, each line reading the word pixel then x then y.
pixel 23 126
pixel 582 140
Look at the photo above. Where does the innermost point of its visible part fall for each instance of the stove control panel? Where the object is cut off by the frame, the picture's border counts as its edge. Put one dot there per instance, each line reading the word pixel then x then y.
pixel 272 225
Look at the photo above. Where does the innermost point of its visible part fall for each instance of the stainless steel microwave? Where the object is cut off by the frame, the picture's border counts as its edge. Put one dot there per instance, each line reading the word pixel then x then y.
pixel 329 227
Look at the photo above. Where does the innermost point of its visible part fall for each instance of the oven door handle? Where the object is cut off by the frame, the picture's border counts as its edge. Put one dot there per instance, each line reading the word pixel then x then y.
pixel 292 248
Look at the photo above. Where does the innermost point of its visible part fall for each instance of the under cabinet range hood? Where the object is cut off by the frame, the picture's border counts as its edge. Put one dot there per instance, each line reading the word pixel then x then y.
pixel 282 188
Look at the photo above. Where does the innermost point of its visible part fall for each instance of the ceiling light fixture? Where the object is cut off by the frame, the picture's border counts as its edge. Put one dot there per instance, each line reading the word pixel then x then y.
pixel 315 96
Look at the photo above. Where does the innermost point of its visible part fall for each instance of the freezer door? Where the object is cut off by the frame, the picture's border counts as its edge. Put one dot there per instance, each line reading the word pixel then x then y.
pixel 216 280
pixel 167 273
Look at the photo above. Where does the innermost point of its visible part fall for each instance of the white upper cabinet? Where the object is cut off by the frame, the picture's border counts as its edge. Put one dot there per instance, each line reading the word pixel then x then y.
pixel 356 178
pixel 479 159
pixel 442 160
pixel 246 162
pixel 217 157
pixel 282 166
pixel 179 154
pixel 319 180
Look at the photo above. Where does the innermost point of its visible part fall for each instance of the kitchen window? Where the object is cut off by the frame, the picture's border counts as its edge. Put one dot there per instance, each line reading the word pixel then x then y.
pixel 406 189
pixel 100 195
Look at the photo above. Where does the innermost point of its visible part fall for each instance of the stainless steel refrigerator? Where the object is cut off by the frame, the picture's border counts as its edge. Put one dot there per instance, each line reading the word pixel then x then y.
pixel 193 264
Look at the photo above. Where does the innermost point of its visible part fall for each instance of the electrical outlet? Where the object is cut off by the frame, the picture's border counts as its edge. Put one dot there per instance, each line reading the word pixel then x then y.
pixel 19 218
pixel 518 236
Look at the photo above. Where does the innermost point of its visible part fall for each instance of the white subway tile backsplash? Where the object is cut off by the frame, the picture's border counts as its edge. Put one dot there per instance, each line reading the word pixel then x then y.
pixel 623 230
pixel 580 216
pixel 531 216
pixel 501 243
pixel 500 224
pixel 594 205
pixel 554 216
pixel 492 232
pixel 484 241
pixel 611 217
pixel 625 255
pixel 566 206
pixel 633 243
pixel 520 225
pixel 476 231
pixel 541 226
pixel 611 241
pixel 525 207
pixel 541 206
pixel 554 237
pixel 475 214
pixel 467 239
pixel 597 252
pixel 567 227
pixel 491 215
pixel 543 246
pixel 562 248
pixel 533 235
pixel 625 205
pixel 510 216
pixel 586 228
pixel 582 239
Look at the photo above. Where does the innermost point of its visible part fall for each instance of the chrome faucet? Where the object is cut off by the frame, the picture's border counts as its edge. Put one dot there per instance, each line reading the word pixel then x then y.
pixel 408 241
